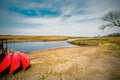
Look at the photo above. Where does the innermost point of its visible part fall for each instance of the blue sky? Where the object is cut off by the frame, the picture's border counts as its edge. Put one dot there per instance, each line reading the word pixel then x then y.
pixel 55 17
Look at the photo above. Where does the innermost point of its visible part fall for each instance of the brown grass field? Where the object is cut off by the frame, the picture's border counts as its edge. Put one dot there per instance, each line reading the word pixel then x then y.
pixel 32 38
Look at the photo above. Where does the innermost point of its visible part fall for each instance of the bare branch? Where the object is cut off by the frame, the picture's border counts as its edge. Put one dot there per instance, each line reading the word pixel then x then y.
pixel 113 18
pixel 102 27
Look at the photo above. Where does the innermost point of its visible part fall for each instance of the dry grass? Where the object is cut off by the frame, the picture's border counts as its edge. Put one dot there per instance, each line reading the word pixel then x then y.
pixel 77 63
pixel 33 38
pixel 97 41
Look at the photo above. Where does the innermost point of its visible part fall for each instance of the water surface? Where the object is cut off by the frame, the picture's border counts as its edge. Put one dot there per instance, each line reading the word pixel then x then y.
pixel 33 46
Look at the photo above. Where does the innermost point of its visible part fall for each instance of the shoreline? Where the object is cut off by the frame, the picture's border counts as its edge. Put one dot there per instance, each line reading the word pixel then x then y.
pixel 52 49
pixel 34 54
pixel 72 47
pixel 22 41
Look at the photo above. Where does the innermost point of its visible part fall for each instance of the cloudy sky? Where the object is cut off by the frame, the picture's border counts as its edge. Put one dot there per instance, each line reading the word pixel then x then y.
pixel 55 17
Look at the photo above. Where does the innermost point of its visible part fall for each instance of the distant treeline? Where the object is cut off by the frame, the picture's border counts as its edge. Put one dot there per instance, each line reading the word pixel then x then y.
pixel 113 35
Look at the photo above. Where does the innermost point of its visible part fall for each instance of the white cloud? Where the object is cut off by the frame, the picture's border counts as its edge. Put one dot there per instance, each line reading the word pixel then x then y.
pixel 84 18
pixel 41 20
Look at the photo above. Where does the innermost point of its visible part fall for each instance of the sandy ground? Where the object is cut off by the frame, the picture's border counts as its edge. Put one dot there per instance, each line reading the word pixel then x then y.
pixel 75 63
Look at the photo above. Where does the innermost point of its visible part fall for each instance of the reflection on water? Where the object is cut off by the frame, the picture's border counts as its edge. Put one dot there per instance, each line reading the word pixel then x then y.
pixel 32 46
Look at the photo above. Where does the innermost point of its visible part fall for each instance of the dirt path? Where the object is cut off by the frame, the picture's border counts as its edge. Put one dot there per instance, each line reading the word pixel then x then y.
pixel 76 63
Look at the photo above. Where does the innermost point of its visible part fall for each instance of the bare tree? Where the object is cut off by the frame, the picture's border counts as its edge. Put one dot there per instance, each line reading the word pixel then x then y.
pixel 113 19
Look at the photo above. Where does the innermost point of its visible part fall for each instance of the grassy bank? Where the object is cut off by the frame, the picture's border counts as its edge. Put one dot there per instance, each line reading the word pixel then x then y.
pixel 32 38
pixel 96 41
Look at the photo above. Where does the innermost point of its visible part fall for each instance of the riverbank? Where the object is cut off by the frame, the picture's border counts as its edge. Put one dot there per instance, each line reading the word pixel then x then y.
pixel 96 41
pixel 17 38
pixel 87 63
pixel 20 38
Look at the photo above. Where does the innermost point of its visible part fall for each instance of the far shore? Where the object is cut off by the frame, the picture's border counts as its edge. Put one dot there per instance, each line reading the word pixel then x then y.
pixel 16 38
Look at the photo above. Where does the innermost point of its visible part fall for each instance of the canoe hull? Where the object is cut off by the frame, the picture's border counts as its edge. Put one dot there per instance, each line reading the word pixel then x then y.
pixel 15 62
pixel 6 62
pixel 24 60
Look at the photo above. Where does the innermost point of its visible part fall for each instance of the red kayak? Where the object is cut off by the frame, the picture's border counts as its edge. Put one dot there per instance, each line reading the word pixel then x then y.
pixel 24 60
pixel 15 62
pixel 5 62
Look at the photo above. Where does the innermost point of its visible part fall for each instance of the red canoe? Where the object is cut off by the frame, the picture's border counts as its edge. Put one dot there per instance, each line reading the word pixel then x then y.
pixel 15 62
pixel 24 60
pixel 5 62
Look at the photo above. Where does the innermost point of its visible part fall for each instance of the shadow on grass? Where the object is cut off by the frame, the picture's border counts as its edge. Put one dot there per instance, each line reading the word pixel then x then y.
pixel 5 72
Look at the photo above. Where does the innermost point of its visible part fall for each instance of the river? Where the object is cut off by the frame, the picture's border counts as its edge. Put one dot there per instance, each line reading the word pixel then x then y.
pixel 33 46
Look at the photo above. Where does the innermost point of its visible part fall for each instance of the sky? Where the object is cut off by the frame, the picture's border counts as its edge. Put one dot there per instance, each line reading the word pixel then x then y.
pixel 55 17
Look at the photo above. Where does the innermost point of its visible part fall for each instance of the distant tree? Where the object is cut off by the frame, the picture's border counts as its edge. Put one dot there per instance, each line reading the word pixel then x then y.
pixel 113 19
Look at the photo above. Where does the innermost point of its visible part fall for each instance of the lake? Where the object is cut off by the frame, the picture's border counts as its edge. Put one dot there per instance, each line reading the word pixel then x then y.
pixel 33 46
